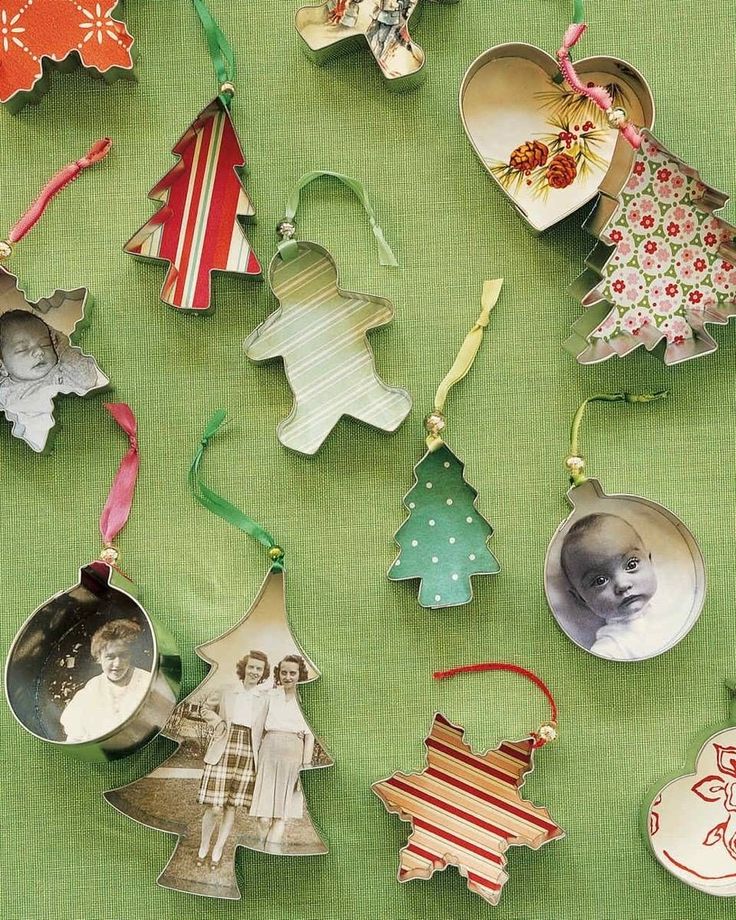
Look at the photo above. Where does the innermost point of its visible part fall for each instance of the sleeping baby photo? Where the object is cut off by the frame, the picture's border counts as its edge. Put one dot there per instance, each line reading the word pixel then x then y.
pixel 623 581
pixel 36 364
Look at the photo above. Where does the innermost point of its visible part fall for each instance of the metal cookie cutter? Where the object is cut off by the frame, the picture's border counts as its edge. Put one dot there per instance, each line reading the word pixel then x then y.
pixel 41 37
pixel 38 360
pixel 90 672
pixel 548 149
pixel 336 27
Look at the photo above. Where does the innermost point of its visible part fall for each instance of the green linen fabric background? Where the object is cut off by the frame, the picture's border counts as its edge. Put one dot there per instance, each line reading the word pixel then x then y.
pixel 65 853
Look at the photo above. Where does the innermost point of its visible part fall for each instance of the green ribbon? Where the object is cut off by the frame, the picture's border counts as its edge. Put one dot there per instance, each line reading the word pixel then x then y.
pixel 385 253
pixel 223 508
pixel 223 57
pixel 578 11
pixel 577 478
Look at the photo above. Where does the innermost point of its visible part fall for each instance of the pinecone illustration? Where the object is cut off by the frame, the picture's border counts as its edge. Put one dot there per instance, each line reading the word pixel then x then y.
pixel 561 171
pixel 528 156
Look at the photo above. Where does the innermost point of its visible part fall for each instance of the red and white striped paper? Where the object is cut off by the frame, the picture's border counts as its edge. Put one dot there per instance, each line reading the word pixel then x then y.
pixel 465 810
pixel 198 227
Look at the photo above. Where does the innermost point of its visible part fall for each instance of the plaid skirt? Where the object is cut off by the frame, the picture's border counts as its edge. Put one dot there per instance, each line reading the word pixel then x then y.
pixel 230 781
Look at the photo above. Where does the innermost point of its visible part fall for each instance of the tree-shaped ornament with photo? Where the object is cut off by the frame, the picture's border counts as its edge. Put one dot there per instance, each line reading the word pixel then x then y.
pixel 444 540
pixel 199 226
pixel 38 356
pixel 665 266
pixel 466 808
pixel 234 780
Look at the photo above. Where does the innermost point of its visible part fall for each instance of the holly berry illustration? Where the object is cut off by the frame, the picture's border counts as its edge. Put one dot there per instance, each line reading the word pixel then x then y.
pixel 561 171
pixel 529 156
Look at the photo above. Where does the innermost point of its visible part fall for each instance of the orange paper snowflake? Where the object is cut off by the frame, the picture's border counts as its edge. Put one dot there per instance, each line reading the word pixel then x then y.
pixel 35 32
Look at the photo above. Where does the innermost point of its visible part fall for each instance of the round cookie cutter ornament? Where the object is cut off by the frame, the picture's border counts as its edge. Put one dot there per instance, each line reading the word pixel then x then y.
pixel 643 570
pixel 51 682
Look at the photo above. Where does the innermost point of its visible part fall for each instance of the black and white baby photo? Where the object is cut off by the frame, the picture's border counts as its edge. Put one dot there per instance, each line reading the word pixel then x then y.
pixel 624 579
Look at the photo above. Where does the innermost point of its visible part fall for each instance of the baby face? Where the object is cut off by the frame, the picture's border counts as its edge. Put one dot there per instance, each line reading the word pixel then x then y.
pixel 116 661
pixel 26 349
pixel 611 570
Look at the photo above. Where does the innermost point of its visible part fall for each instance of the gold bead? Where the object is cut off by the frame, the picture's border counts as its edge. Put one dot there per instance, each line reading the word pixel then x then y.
pixel 616 117
pixel 275 552
pixel 547 732
pixel 109 555
pixel 574 465
pixel 434 423
pixel 228 89
pixel 6 250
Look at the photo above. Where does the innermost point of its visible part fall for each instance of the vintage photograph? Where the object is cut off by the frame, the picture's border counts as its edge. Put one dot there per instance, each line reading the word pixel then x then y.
pixel 38 360
pixel 385 24
pixel 243 741
pixel 82 666
pixel 624 578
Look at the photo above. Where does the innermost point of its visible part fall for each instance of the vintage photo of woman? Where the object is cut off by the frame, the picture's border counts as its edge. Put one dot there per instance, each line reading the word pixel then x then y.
pixel 284 744
pixel 230 764
pixel 111 697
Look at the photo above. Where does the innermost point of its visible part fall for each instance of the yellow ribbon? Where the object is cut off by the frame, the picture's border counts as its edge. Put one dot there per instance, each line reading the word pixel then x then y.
pixel 465 357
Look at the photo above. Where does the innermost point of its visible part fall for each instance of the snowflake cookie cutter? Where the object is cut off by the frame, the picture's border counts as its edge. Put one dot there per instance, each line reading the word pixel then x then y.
pixel 61 35
pixel 39 360
pixel 337 27
pixel 465 809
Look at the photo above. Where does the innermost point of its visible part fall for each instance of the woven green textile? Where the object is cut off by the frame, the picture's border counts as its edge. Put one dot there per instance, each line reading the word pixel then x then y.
pixel 68 855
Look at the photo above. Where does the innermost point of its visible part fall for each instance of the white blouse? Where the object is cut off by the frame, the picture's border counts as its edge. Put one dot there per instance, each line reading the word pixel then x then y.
pixel 241 706
pixel 102 706
pixel 284 714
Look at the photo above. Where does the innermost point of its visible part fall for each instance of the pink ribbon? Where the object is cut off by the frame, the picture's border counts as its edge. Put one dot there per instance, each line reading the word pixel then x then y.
pixel 97 152
pixel 597 94
pixel 117 507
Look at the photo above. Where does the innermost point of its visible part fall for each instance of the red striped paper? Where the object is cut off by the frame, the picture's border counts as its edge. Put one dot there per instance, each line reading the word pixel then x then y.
pixel 465 810
pixel 198 227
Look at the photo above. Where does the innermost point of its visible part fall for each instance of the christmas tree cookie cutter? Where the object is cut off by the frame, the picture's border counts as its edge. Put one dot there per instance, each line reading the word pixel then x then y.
pixel 336 27
pixel 624 577
pixel 548 149
pixel 38 356
pixel 444 539
pixel 211 792
pixel 91 672
pixel 321 333
pixel 665 266
pixel 61 35
pixel 465 808
pixel 199 227
pixel 688 819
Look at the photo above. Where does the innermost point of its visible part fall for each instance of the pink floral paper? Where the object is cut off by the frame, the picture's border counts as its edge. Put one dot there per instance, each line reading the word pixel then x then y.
pixel 665 277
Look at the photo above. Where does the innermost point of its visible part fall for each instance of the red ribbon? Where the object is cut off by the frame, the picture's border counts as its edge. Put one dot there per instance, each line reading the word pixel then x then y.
pixel 116 512
pixel 97 152
pixel 514 669
pixel 598 94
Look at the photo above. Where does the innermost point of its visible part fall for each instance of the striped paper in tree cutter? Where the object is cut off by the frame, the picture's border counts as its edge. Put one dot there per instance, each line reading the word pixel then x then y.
pixel 198 228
